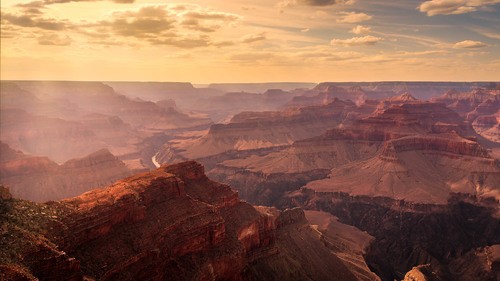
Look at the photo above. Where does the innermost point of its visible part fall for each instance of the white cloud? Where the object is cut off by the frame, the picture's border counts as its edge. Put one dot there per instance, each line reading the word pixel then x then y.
pixel 360 30
pixel 357 41
pixel 469 44
pixel 453 7
pixel 353 17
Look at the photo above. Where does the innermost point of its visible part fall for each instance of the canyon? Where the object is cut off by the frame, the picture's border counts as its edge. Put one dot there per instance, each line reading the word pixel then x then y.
pixel 348 181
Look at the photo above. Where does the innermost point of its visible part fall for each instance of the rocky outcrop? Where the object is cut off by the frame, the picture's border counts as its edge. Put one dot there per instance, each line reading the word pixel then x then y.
pixel 488 126
pixel 40 179
pixel 421 90
pixel 480 106
pixel 480 100
pixel 173 223
pixel 255 130
pixel 5 193
pixel 420 169
pixel 346 241
pixel 451 237
pixel 418 151
pixel 325 92
pixel 26 254
pixel 421 273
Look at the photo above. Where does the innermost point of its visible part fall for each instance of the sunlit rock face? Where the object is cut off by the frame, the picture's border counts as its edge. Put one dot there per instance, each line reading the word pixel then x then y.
pixel 418 151
pixel 170 223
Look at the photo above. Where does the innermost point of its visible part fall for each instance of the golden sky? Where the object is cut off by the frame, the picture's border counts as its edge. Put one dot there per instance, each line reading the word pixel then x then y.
pixel 251 41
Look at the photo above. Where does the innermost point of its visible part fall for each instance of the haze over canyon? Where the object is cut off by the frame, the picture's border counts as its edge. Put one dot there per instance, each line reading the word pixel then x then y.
pixel 269 181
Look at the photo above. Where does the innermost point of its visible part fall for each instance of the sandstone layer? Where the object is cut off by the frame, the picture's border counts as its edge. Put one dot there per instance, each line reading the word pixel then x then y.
pixel 256 130
pixel 172 223
pixel 414 150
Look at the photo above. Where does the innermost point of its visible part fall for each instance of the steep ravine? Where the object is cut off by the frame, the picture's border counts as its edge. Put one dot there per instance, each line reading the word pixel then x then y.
pixel 409 234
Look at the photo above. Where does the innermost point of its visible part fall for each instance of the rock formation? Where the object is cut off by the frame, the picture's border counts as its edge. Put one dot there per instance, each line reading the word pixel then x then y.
pixel 453 238
pixel 40 179
pixel 325 92
pixel 416 151
pixel 256 130
pixel 480 106
pixel 170 223
pixel 66 120
pixel 421 90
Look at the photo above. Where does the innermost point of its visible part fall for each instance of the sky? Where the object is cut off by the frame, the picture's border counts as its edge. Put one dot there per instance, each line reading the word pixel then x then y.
pixel 210 41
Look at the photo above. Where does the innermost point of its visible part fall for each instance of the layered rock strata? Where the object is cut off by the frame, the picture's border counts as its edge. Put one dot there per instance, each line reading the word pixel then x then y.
pixel 172 223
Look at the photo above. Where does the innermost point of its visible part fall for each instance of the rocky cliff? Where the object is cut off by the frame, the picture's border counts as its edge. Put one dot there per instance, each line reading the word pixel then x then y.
pixel 170 223
pixel 480 106
pixel 448 241
pixel 255 130
pixel 411 150
pixel 40 179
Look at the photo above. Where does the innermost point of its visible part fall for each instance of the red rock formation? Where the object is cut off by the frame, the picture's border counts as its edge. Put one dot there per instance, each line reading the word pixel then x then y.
pixel 403 152
pixel 255 130
pixel 488 126
pixel 480 106
pixel 174 223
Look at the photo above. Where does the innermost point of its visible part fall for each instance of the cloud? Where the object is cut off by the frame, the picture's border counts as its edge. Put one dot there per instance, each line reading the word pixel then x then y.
pixel 42 4
pixel 210 15
pixel 360 30
pixel 452 7
pixel 469 44
pixel 320 2
pixel 250 38
pixel 27 21
pixel 179 25
pixel 253 56
pixel 147 21
pixel 357 41
pixel 329 55
pixel 207 21
pixel 314 3
pixel 54 40
pixel 353 17
pixel 185 43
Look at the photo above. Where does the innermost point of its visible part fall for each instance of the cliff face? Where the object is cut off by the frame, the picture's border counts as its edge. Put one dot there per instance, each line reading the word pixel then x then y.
pixel 420 169
pixel 411 150
pixel 479 106
pixel 255 130
pixel 175 223
pixel 40 179
pixel 452 238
